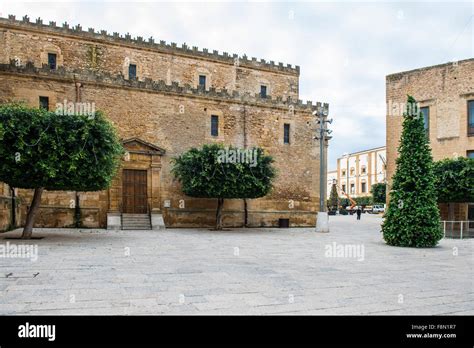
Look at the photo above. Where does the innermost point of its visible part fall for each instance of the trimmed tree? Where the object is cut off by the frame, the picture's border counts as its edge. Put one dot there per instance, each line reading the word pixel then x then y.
pixel 378 192
pixel 333 202
pixel 41 150
pixel 412 218
pixel 219 172
pixel 455 180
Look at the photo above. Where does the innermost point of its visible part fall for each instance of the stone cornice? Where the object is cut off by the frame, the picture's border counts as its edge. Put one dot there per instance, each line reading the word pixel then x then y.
pixel 118 81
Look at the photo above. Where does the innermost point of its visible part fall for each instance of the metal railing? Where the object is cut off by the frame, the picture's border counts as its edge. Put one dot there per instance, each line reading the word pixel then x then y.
pixel 458 229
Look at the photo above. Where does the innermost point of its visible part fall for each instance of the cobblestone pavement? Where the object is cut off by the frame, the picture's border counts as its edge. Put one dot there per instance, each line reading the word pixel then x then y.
pixel 241 271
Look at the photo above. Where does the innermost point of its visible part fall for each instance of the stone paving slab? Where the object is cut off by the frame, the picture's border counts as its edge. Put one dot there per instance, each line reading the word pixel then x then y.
pixel 242 271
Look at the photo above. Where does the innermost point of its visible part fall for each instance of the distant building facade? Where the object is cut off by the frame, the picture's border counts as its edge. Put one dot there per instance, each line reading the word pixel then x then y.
pixel 445 94
pixel 357 172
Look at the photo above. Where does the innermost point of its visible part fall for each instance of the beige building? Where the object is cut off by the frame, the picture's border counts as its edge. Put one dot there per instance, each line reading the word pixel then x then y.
pixel 357 172
pixel 445 94
pixel 163 99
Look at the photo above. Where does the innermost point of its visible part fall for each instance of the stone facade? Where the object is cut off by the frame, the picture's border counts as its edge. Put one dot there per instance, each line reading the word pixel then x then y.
pixel 445 90
pixel 357 172
pixel 162 113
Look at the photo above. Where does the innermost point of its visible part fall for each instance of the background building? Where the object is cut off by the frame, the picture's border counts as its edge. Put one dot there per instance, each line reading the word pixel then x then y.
pixel 163 99
pixel 446 96
pixel 357 172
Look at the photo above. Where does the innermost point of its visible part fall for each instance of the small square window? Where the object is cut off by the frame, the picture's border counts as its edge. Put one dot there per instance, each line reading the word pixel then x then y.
pixel 214 125
pixel 286 133
pixel 52 61
pixel 44 103
pixel 343 172
pixel 363 170
pixel 132 71
pixel 263 91
pixel 470 154
pixel 202 81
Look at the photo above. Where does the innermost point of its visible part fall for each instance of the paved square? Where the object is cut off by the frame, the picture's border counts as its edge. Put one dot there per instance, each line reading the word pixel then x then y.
pixel 243 271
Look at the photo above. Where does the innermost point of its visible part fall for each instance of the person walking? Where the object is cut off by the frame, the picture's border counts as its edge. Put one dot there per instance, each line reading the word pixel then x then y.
pixel 359 213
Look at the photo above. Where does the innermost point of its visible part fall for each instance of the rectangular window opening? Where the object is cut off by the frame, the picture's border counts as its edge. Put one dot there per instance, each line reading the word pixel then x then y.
pixel 214 125
pixel 44 102
pixel 52 61
pixel 286 133
pixel 132 71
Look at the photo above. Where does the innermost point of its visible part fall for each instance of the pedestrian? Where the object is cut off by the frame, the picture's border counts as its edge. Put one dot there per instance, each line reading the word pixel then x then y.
pixel 359 213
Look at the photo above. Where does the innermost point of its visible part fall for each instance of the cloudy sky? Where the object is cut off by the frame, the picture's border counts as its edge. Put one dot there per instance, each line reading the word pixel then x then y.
pixel 345 49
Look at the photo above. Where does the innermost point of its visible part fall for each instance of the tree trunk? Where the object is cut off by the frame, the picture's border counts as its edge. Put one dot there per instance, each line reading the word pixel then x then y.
pixel 220 204
pixel 30 218
pixel 246 213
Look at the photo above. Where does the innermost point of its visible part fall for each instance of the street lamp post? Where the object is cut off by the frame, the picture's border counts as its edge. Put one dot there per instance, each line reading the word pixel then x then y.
pixel 322 134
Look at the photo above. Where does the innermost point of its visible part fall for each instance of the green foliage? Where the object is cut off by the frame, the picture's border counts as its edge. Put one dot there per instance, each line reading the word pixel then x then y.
pixel 333 201
pixel 363 201
pixel 378 192
pixel 57 152
pixel 455 180
pixel 344 202
pixel 201 174
pixel 412 218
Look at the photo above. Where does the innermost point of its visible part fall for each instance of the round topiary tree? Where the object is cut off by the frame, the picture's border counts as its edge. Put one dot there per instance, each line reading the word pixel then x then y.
pixel 215 171
pixel 455 180
pixel 378 192
pixel 41 150
pixel 412 218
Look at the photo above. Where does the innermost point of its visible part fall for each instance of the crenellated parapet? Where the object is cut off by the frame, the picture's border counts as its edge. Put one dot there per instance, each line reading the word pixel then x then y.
pixel 91 76
pixel 149 43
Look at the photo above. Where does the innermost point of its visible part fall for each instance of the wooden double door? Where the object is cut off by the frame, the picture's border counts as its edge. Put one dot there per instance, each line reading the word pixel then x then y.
pixel 134 192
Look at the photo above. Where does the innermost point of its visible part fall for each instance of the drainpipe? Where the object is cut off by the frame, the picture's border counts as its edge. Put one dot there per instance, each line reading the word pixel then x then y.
pixel 77 207
pixel 13 208
pixel 246 212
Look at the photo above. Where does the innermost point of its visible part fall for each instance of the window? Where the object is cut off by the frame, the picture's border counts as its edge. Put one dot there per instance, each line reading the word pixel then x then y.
pixel 52 61
pixel 202 81
pixel 214 125
pixel 343 172
pixel 363 170
pixel 44 103
pixel 132 71
pixel 352 188
pixel 470 117
pixel 363 187
pixel 470 154
pixel 286 133
pixel 344 188
pixel 425 112
pixel 352 171
pixel 263 91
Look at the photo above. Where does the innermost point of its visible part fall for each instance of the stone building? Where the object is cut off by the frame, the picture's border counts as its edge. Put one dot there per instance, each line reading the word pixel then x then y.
pixel 357 172
pixel 163 100
pixel 446 97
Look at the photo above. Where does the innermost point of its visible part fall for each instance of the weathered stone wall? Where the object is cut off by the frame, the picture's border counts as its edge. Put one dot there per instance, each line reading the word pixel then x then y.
pixel 103 52
pixel 177 122
pixel 446 89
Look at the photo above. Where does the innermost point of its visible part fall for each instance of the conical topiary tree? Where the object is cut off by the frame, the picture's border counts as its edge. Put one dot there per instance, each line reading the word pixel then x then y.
pixel 333 198
pixel 412 218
